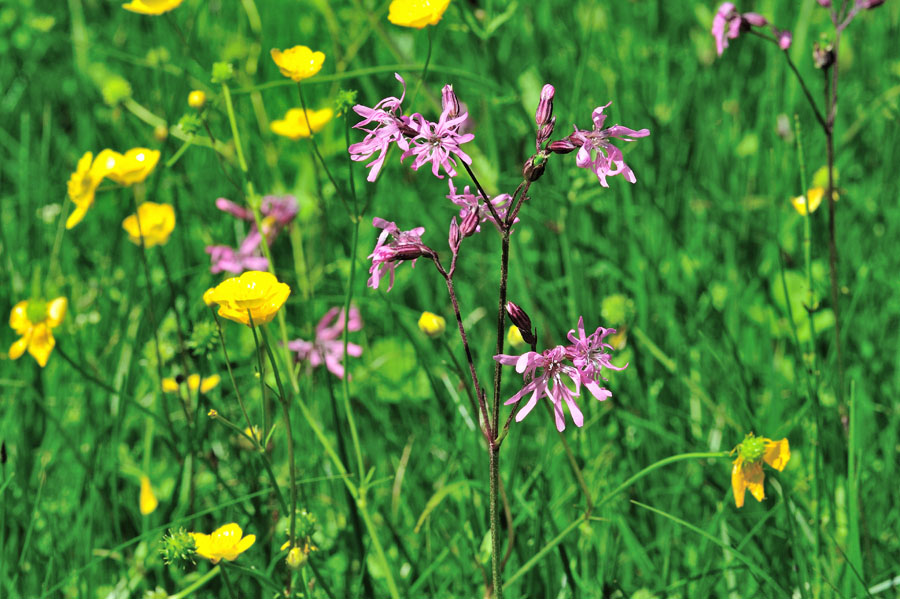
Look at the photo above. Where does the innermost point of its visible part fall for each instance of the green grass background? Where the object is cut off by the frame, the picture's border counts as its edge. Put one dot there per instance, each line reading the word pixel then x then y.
pixel 688 262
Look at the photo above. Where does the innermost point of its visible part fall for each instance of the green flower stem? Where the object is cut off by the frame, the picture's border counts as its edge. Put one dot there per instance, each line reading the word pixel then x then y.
pixel 630 481
pixel 286 415
pixel 345 381
pixel 412 102
pixel 227 582
pixel 315 147
pixel 260 449
pixel 189 590
pixel 229 107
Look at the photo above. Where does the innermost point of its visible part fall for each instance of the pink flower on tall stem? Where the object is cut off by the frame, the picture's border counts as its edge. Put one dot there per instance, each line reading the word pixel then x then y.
pixel 277 213
pixel 596 152
pixel 469 202
pixel 726 25
pixel 328 346
pixel 403 245
pixel 588 354
pixel 439 142
pixel 225 259
pixel 390 127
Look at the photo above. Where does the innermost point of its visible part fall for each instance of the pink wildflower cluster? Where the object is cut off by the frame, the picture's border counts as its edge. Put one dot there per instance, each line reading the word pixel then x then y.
pixel 277 213
pixel 327 348
pixel 428 142
pixel 394 246
pixel 729 24
pixel 582 363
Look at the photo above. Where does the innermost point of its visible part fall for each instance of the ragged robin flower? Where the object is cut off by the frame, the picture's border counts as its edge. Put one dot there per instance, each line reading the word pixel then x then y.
pixel 298 63
pixel 747 472
pixel 417 13
pixel 226 542
pixel 157 221
pixel 34 320
pixel 151 7
pixel 83 183
pixel 294 125
pixel 254 294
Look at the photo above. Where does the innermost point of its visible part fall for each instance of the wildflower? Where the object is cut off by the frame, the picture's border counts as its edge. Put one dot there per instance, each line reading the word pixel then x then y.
pixel 549 383
pixel 296 557
pixel 254 294
pixel 134 166
pixel 246 443
pixel 84 181
pixel 34 321
pixel 196 99
pixel 391 127
pixel 431 324
pixel 178 547
pixel 469 203
pixel 404 245
pixel 783 38
pixel 154 222
pixel 726 25
pixel 151 7
pixel 247 257
pixel 514 336
pixel 588 354
pixel 226 542
pixel 439 142
pixel 194 382
pixel 417 13
pixel 298 63
pixel 147 501
pixel 277 213
pixel 595 150
pixel 328 346
pixel 747 472
pixel 294 124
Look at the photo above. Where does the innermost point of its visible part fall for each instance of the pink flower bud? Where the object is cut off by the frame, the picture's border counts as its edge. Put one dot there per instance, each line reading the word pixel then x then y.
pixel 450 102
pixel 470 223
pixel 545 106
pixel 784 39
pixel 454 237
pixel 755 19
pixel 544 133
pixel 519 318
pixel 825 3
pixel 562 146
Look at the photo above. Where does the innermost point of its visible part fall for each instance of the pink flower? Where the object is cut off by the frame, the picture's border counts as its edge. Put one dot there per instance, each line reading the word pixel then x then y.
pixel 595 150
pixel 328 347
pixel 247 257
pixel 784 38
pixel 403 245
pixel 469 202
pixel 439 142
pixel 589 356
pixel 726 25
pixel 277 213
pixel 390 127
pixel 549 383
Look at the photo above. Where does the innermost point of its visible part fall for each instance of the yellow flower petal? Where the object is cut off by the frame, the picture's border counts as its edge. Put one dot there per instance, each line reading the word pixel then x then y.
pixel 209 383
pixel 193 382
pixel 41 344
pixel 18 347
pixel 155 222
pixel 170 385
pixel 738 484
pixel 151 7
pixel 777 454
pixel 18 318
pixel 254 294
pixel 294 125
pixel 298 63
pixel 56 311
pixel 148 501
pixel 134 166
pixel 417 13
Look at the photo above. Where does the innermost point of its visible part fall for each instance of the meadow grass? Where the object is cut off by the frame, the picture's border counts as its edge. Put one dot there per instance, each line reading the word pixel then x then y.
pixel 700 265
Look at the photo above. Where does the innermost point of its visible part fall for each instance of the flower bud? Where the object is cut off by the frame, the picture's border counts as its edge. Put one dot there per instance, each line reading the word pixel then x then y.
pixel 755 19
pixel 519 318
pixel 545 106
pixel 561 146
pixel 449 102
pixel 196 99
pixel 470 223
pixel 296 558
pixel 825 3
pixel 409 252
pixel 870 4
pixel 533 169
pixel 784 38
pixel 544 132
pixel 432 324
pixel 454 237
pixel 404 123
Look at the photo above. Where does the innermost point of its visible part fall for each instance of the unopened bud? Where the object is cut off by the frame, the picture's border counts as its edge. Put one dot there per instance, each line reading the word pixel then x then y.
pixel 296 558
pixel 533 169
pixel 869 4
pixel 823 56
pixel 519 318
pixel 470 223
pixel 197 98
pixel 784 39
pixel 544 132
pixel 450 102
pixel 454 237
pixel 409 252
pixel 561 146
pixel 755 19
pixel 404 124
pixel 431 324
pixel 545 106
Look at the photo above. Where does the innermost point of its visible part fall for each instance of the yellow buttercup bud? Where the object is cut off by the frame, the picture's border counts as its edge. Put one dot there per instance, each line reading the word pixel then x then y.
pixel 196 99
pixel 432 324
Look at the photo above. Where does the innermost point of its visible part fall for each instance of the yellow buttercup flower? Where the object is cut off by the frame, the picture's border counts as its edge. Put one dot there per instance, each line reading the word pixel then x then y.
pixel 226 542
pixel 431 324
pixel 417 13
pixel 514 336
pixel 84 181
pixel 294 124
pixel 147 501
pixel 747 472
pixel 815 196
pixel 134 166
pixel 254 294
pixel 156 224
pixel 298 63
pixel 197 98
pixel 151 7
pixel 34 320
pixel 194 382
